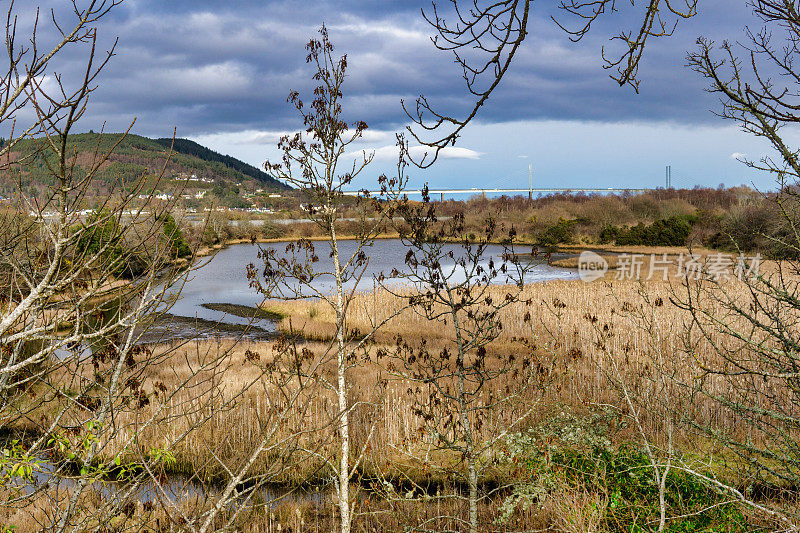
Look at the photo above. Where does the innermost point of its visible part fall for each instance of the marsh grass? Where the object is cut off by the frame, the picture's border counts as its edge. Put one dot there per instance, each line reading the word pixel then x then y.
pixel 566 329
pixel 571 330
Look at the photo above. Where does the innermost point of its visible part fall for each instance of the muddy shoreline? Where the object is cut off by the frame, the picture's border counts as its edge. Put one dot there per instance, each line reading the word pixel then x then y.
pixel 167 327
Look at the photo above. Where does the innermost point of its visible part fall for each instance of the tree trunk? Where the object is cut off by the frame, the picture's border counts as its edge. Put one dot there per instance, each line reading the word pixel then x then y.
pixel 473 494
pixel 341 391
pixel 469 438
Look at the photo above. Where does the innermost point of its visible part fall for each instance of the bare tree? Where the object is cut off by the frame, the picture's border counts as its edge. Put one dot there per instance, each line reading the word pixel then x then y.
pixel 93 419
pixel 316 162
pixel 648 390
pixel 465 396
pixel 743 339
pixel 65 310
pixel 743 333
pixel 485 37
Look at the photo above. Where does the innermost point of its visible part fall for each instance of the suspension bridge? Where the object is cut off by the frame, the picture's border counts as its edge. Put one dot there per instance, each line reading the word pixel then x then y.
pixel 484 191
pixel 531 190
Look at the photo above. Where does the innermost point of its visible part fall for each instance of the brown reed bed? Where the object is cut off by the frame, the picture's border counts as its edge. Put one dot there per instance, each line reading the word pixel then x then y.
pixel 579 327
pixel 209 415
pixel 218 393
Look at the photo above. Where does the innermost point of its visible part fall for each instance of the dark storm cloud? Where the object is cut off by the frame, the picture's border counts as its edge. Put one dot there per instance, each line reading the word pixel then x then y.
pixel 208 66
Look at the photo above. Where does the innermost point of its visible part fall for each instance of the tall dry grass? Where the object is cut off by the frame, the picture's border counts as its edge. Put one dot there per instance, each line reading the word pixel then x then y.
pixel 571 332
pixel 574 330
pixel 578 327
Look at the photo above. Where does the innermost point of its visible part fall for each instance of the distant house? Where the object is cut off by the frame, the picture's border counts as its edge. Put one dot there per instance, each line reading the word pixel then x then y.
pixel 193 177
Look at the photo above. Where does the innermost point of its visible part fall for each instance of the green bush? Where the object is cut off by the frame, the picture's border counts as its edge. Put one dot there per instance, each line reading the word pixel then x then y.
pixel 609 233
pixel 575 453
pixel 672 231
pixel 210 237
pixel 174 237
pixel 562 232
pixel 102 235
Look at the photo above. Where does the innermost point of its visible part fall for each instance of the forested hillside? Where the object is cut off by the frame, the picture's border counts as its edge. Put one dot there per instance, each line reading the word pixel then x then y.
pixel 191 148
pixel 135 156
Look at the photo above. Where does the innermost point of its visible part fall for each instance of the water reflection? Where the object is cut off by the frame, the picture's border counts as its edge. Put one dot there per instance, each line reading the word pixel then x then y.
pixel 223 279
pixel 171 488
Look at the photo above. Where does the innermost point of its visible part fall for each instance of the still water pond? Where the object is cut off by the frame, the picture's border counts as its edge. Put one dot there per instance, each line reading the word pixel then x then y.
pixel 223 279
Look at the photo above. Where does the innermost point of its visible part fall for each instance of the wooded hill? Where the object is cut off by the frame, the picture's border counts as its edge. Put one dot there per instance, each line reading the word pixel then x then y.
pixel 134 157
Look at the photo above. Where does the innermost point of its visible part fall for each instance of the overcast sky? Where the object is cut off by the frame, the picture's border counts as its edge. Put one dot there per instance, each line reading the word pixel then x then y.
pixel 219 72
